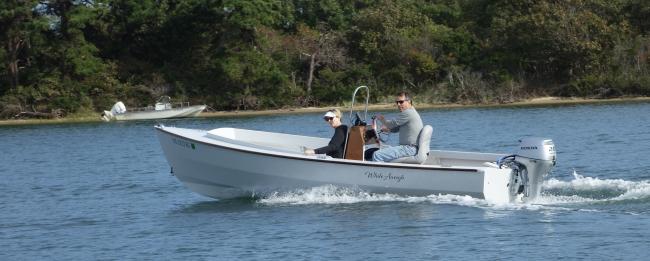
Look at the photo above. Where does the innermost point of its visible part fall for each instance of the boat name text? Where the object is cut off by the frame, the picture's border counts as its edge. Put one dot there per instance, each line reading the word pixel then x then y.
pixel 384 176
pixel 184 144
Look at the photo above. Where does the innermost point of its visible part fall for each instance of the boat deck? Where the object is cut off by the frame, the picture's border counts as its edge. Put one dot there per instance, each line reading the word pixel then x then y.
pixel 293 144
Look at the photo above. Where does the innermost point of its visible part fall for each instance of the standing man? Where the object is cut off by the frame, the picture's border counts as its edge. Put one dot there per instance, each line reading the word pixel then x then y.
pixel 408 123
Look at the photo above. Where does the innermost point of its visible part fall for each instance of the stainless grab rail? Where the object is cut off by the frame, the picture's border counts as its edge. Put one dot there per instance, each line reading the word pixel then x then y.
pixel 354 97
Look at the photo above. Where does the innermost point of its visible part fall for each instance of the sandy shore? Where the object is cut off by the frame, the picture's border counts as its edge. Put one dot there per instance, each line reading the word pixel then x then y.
pixel 376 107
pixel 542 101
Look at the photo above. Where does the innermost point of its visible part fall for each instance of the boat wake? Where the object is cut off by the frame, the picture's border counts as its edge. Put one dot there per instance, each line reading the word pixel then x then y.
pixel 328 194
pixel 556 193
pixel 583 189
pixel 331 194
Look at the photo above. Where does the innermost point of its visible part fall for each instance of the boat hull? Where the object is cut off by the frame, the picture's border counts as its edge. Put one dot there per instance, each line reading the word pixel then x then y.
pixel 221 170
pixel 191 111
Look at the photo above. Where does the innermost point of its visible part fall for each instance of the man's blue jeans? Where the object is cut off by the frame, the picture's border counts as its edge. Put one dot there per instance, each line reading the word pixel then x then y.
pixel 395 152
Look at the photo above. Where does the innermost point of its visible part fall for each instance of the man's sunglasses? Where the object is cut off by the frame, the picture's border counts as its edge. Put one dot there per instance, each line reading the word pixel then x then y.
pixel 400 101
pixel 328 118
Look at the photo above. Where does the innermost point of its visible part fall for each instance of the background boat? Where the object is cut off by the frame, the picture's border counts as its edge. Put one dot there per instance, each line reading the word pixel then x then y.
pixel 163 109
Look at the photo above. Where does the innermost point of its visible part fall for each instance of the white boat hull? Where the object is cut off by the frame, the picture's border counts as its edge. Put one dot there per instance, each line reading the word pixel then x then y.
pixel 236 163
pixel 182 112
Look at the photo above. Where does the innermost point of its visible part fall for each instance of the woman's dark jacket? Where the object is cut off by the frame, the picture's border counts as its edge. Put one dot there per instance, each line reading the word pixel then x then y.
pixel 337 144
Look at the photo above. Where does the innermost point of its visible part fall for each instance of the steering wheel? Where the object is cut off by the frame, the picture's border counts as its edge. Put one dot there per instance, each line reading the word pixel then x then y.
pixel 379 133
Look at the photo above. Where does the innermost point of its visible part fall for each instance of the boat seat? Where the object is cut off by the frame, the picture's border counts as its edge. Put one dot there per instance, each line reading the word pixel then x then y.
pixel 424 139
pixel 354 145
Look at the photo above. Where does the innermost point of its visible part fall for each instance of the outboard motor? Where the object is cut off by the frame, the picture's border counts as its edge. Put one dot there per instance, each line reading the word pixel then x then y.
pixel 532 162
pixel 118 108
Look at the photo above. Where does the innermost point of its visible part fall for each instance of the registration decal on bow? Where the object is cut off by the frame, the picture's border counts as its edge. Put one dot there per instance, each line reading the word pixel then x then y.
pixel 384 176
pixel 183 143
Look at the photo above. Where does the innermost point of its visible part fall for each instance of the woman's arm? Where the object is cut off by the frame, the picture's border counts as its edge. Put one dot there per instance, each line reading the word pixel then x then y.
pixel 335 143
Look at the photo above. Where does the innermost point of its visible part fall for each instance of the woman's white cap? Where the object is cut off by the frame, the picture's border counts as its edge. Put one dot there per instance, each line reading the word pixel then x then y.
pixel 329 114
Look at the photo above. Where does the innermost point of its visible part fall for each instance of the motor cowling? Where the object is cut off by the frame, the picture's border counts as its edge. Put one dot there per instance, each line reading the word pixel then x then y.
pixel 118 108
pixel 537 148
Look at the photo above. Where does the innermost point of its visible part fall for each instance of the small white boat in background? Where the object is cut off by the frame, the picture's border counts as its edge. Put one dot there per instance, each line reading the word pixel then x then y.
pixel 163 109
pixel 229 162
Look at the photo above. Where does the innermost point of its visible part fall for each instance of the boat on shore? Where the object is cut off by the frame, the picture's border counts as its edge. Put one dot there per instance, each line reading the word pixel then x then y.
pixel 163 109
pixel 230 162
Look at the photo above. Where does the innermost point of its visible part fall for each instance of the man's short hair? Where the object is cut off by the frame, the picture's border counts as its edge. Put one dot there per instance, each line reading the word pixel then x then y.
pixel 406 95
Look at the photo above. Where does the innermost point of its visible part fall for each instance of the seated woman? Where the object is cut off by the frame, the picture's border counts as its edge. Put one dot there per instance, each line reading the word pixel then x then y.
pixel 336 145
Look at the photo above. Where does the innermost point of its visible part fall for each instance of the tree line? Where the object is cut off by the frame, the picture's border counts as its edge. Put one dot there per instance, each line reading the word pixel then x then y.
pixel 81 56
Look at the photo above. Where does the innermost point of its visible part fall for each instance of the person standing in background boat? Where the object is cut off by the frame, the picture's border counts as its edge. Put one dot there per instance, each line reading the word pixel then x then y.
pixel 408 123
pixel 336 145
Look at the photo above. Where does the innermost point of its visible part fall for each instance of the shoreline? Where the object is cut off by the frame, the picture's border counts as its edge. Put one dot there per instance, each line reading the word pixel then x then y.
pixel 540 101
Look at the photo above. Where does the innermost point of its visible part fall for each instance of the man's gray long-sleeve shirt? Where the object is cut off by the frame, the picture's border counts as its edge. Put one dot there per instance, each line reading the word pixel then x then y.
pixel 409 124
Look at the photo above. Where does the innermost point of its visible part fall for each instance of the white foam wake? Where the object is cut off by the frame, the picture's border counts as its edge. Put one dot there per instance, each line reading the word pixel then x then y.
pixel 580 182
pixel 588 189
pixel 580 189
pixel 330 194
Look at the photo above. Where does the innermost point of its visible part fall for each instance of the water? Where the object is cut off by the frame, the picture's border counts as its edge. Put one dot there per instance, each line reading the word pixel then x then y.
pixel 103 191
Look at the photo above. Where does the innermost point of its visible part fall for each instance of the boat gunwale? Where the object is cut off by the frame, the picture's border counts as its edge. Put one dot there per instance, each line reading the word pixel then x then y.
pixel 153 110
pixel 338 161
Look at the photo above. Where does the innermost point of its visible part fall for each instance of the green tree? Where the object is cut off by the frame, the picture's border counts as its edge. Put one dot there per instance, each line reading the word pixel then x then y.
pixel 637 13
pixel 401 44
pixel 547 40
pixel 17 24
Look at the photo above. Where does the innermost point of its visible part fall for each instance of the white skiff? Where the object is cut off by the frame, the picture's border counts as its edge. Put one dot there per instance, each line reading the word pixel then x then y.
pixel 228 162
pixel 163 109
